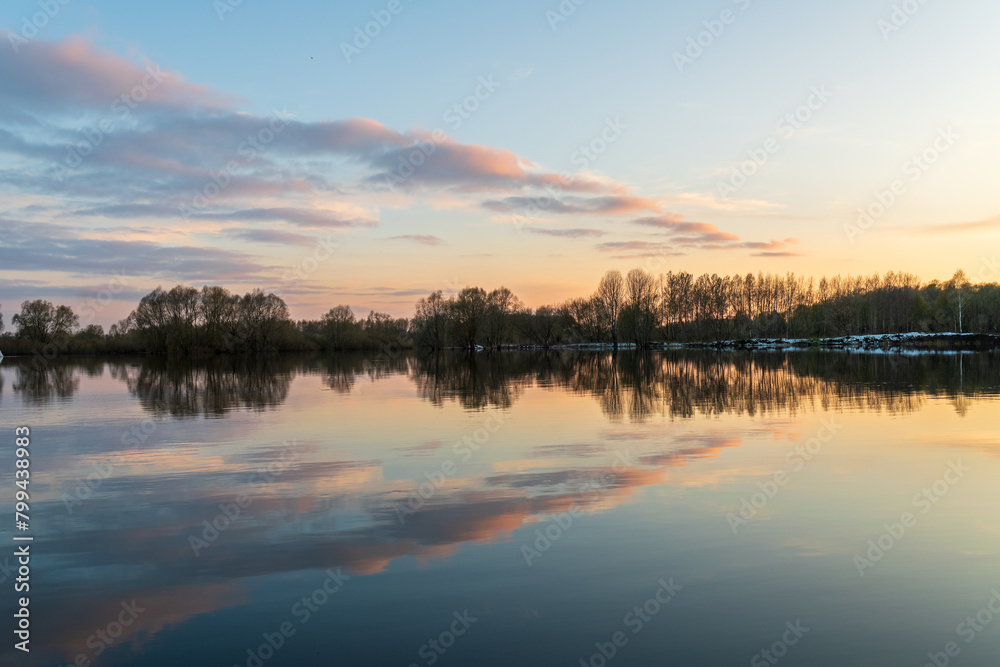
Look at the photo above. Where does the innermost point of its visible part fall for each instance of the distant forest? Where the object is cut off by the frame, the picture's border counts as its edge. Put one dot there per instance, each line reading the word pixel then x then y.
pixel 637 309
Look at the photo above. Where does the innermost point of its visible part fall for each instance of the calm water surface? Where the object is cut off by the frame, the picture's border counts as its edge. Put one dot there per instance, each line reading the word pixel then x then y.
pixel 526 509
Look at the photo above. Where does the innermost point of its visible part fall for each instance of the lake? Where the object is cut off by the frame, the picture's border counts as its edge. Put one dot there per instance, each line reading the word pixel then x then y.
pixel 678 508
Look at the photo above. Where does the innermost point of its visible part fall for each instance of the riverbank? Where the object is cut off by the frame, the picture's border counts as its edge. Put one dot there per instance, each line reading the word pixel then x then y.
pixel 903 342
pixel 896 343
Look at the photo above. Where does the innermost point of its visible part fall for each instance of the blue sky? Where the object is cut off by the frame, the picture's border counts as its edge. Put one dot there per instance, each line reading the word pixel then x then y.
pixel 888 95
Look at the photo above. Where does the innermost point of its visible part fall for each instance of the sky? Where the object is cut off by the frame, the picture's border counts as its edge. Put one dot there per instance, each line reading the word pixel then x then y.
pixel 370 153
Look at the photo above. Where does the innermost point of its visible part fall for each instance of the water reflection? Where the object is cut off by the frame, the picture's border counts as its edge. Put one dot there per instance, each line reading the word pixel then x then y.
pixel 207 388
pixel 480 381
pixel 341 372
pixel 41 384
pixel 629 385
pixel 324 485
pixel 639 385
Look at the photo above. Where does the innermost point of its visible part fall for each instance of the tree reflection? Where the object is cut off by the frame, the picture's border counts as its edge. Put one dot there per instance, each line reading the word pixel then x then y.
pixel 478 381
pixel 209 389
pixel 682 384
pixel 44 382
pixel 341 371
pixel 631 385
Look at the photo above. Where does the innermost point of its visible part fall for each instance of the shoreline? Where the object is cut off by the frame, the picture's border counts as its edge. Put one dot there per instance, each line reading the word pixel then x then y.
pixel 903 343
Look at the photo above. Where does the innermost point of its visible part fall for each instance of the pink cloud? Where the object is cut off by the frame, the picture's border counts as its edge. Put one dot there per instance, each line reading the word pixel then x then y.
pixel 425 239
pixel 74 71
pixel 675 223
pixel 609 205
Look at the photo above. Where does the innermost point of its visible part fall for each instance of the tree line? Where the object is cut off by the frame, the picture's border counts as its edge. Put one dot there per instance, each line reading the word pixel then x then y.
pixel 641 309
pixel 185 321
pixel 637 309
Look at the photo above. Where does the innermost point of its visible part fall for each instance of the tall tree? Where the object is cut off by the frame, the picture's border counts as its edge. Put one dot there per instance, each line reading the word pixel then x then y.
pixel 469 313
pixel 640 312
pixel 40 321
pixel 430 322
pixel 219 314
pixel 265 316
pixel 339 327
pixel 610 298
pixel 501 309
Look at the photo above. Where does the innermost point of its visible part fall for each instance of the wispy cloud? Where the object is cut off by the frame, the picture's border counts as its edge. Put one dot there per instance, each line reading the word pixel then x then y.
pixel 989 224
pixel 570 205
pixel 105 257
pixel 304 217
pixel 566 233
pixel 425 239
pixel 639 249
pixel 705 236
pixel 697 232
pixel 272 237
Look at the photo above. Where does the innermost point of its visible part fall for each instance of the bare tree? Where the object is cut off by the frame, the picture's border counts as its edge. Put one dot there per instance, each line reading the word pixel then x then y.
pixel 41 322
pixel 501 309
pixel 219 314
pixel 640 312
pixel 339 326
pixel 430 322
pixel 545 326
pixel 610 298
pixel 469 315
pixel 584 321
pixel 958 285
pixel 263 316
